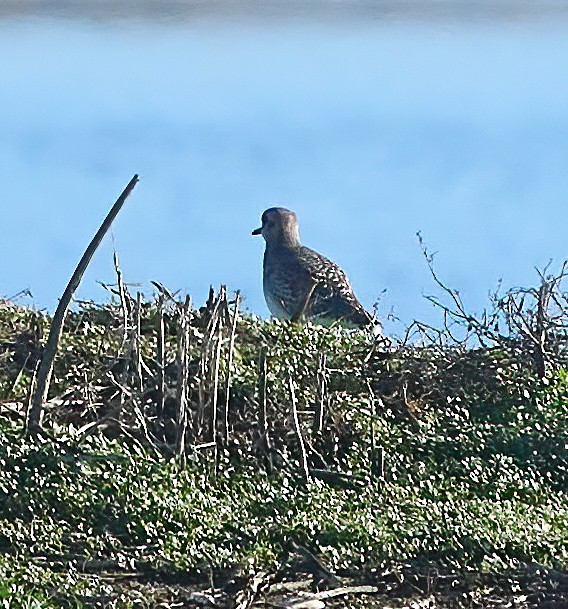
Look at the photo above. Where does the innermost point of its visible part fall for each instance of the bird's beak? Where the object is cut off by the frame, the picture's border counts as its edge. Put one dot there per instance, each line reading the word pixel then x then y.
pixel 257 231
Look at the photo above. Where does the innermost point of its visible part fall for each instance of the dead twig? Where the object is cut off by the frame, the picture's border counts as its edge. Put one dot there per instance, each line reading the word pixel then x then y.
pixel 46 367
pixel 122 296
pixel 262 414
pixel 541 330
pixel 215 371
pixel 182 361
pixel 304 457
pixel 321 379
pixel 230 365
pixel 345 591
pixel 161 355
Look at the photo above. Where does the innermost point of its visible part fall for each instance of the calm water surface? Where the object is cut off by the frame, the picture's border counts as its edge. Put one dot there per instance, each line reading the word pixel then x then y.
pixel 372 120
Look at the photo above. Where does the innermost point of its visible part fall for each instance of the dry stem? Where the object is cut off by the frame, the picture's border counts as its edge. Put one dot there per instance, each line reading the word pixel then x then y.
pixel 46 367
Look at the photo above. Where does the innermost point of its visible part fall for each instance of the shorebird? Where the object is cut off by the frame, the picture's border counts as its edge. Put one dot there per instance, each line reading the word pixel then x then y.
pixel 299 282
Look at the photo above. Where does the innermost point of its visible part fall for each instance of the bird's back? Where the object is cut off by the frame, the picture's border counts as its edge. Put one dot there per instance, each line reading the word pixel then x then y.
pixel 298 280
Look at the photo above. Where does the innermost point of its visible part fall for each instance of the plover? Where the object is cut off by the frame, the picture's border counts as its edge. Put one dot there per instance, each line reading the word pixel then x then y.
pixel 299 282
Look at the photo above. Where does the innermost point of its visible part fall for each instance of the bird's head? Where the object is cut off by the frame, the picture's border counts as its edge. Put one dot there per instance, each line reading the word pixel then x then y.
pixel 279 227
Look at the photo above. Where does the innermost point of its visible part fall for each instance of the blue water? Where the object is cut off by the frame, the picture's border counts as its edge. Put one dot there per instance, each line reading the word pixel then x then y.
pixel 371 124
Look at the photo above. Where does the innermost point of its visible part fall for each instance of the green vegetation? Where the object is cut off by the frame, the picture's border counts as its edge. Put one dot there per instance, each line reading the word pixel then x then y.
pixel 427 457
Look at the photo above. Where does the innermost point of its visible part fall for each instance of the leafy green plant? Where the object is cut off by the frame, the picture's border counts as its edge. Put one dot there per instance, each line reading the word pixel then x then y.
pixel 450 456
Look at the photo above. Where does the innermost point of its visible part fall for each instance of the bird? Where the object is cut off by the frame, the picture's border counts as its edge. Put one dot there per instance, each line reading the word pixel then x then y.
pixel 300 283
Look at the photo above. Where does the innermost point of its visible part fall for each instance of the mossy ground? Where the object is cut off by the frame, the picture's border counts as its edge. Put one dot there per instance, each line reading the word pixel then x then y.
pixel 445 460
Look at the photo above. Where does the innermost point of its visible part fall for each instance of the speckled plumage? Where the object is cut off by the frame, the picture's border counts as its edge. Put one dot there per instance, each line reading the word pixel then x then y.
pixel 299 282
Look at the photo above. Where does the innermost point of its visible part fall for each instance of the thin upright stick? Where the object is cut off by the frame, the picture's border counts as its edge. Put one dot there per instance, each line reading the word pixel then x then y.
pixel 46 367
pixel 138 340
pixel 262 418
pixel 161 355
pixel 321 378
pixel 124 297
pixel 230 365
pixel 544 293
pixel 182 359
pixel 124 305
pixel 215 371
pixel 377 451
pixel 297 428
pixel 262 414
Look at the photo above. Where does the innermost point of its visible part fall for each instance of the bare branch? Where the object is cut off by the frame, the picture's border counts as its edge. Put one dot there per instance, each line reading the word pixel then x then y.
pixel 46 367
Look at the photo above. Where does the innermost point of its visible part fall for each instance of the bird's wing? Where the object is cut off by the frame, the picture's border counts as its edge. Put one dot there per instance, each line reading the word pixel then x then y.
pixel 324 271
pixel 333 295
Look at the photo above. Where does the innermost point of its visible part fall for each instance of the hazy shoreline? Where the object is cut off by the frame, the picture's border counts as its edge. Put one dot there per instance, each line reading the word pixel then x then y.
pixel 322 10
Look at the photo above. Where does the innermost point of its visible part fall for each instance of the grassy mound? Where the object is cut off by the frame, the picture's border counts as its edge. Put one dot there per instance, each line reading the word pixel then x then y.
pixel 189 450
